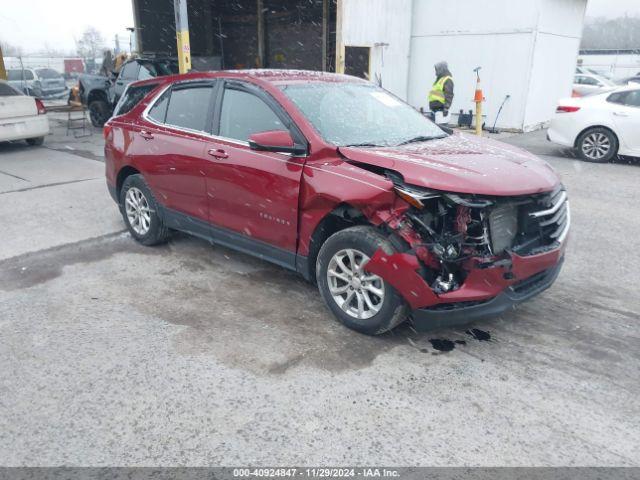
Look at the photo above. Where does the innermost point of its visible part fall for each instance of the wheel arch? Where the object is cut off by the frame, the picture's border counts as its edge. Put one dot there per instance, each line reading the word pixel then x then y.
pixel 592 127
pixel 124 172
pixel 341 217
pixel 97 95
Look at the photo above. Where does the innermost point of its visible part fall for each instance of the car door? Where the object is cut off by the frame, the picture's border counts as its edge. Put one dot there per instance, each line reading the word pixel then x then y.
pixel 128 74
pixel 171 138
pixel 254 194
pixel 626 116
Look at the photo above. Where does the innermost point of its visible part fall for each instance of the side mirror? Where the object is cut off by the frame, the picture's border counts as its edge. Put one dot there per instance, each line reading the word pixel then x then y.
pixel 279 141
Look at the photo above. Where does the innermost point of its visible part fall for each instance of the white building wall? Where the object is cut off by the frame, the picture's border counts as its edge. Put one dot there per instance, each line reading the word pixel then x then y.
pixel 526 49
pixel 373 23
pixel 556 42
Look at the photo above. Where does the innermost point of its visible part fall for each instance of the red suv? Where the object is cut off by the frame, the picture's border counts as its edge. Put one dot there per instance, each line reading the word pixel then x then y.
pixel 337 179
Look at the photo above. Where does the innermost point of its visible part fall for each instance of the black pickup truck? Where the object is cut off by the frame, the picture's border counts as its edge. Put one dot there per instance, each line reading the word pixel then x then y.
pixel 101 94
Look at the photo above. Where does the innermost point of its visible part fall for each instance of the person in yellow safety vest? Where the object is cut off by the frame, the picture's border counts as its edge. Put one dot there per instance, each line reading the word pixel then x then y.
pixel 441 94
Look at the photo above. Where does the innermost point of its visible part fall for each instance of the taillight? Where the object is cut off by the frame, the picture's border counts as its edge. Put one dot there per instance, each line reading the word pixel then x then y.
pixel 566 109
pixel 106 130
pixel 40 106
pixel 575 94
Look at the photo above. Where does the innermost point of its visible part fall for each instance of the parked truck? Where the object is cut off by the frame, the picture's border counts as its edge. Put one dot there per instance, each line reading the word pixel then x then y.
pixel 101 94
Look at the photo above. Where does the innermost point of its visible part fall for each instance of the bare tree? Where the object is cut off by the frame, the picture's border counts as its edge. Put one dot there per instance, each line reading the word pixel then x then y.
pixel 90 44
pixel 9 50
pixel 614 33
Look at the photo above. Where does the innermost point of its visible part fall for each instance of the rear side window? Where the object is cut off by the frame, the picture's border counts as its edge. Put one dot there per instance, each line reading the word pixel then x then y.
pixel 244 114
pixel 19 75
pixel 8 91
pixel 48 73
pixel 189 107
pixel 633 98
pixel 630 98
pixel 132 96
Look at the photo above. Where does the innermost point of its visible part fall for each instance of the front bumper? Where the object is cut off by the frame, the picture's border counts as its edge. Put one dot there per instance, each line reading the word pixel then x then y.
pixel 452 314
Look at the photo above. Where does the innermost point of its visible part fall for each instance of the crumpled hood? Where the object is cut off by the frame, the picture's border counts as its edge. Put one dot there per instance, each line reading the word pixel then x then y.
pixel 462 163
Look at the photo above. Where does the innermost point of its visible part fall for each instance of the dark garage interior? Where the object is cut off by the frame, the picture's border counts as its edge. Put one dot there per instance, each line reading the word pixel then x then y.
pixel 236 34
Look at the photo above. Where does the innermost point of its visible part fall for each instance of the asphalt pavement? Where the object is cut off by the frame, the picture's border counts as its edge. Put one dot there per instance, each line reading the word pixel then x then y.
pixel 187 354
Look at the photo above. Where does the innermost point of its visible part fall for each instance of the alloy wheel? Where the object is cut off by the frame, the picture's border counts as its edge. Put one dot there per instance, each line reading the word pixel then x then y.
pixel 359 294
pixel 596 146
pixel 138 211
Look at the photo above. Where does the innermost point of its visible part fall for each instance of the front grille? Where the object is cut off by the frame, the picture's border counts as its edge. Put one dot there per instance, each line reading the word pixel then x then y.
pixel 540 223
pixel 555 219
pixel 503 226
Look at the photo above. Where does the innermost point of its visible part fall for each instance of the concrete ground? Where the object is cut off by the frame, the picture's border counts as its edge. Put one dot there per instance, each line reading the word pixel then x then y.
pixel 187 354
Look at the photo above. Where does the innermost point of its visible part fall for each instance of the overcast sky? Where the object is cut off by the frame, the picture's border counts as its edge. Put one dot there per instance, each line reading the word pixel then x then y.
pixel 613 8
pixel 33 23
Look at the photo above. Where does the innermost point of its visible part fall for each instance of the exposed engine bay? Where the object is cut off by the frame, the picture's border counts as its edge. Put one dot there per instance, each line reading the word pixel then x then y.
pixel 452 234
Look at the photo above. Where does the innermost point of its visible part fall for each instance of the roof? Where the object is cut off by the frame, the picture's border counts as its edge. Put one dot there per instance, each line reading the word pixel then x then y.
pixel 277 77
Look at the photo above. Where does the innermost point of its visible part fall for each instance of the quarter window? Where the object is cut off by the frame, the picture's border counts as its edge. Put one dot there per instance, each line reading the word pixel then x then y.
pixel 132 97
pixel 159 111
pixel 189 107
pixel 244 114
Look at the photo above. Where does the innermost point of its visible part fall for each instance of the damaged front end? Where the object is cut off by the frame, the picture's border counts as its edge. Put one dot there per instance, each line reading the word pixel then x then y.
pixel 466 257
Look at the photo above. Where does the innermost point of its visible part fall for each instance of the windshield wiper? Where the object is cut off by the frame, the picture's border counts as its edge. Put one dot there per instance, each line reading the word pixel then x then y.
pixel 364 144
pixel 421 138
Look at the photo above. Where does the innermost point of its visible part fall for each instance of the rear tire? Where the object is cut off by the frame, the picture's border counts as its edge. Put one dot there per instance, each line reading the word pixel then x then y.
pixel 99 113
pixel 140 212
pixel 352 298
pixel 597 145
pixel 35 141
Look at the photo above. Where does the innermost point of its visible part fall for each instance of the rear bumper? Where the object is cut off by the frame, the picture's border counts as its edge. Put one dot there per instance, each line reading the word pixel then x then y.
pixel 563 130
pixel 448 315
pixel 24 127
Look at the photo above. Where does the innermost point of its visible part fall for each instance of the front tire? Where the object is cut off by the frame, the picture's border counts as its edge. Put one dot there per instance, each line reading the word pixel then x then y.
pixel 361 301
pixel 99 113
pixel 140 212
pixel 598 145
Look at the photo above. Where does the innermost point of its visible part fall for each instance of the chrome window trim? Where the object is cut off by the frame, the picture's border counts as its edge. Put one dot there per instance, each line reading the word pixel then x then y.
pixel 145 116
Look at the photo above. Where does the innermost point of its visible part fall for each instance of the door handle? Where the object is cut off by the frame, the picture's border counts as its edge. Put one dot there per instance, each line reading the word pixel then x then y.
pixel 146 135
pixel 217 153
pixel 621 114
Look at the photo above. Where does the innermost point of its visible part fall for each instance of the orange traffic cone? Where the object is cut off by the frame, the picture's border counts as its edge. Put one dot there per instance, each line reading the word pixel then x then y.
pixel 478 99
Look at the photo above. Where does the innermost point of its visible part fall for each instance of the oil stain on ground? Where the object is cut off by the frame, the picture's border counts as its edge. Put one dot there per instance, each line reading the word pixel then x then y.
pixel 444 345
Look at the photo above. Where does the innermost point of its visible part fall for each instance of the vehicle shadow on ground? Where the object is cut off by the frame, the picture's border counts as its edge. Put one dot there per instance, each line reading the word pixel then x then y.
pixel 255 315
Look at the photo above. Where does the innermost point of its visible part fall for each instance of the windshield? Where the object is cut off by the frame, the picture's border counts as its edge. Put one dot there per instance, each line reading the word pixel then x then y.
pixel 360 114
pixel 48 73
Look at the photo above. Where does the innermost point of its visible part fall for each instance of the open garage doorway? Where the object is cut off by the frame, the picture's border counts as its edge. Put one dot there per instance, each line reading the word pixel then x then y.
pixel 237 34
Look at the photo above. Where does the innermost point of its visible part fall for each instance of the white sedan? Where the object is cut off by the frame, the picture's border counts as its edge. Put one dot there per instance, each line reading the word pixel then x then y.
pixel 21 117
pixel 599 126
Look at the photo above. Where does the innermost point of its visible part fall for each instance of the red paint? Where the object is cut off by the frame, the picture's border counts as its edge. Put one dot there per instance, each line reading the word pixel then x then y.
pixel 273 138
pixel 281 199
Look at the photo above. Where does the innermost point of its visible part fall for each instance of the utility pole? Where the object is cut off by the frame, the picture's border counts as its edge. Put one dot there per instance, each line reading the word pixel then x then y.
pixel 3 72
pixel 182 35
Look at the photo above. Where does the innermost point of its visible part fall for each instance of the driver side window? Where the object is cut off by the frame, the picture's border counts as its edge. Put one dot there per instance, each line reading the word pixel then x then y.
pixel 244 114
